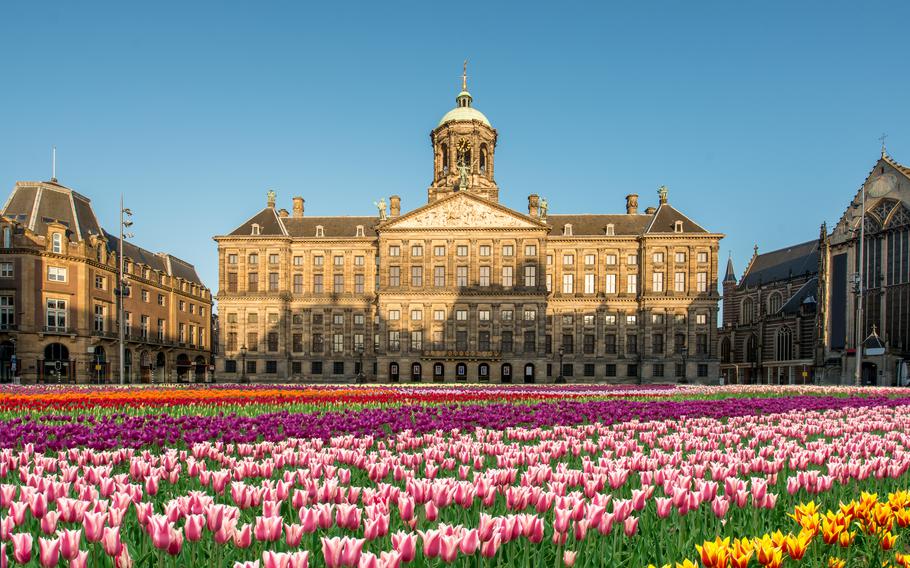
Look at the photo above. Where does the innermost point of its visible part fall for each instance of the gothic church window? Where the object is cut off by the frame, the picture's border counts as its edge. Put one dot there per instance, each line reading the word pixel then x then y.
pixel 784 344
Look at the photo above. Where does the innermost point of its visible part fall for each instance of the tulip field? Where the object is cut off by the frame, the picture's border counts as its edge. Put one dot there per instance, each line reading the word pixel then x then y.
pixel 515 475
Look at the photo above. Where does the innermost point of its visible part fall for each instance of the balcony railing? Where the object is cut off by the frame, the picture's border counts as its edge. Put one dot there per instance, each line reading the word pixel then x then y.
pixel 9 327
pixel 58 330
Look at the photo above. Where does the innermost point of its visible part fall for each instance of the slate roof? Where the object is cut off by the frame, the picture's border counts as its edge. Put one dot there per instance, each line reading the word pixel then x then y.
pixel 331 226
pixel 782 264
pixel 595 225
pixel 37 204
pixel 807 294
pixel 269 224
pixel 665 221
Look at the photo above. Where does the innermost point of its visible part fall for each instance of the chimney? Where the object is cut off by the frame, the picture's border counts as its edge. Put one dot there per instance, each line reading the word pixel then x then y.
pixel 394 206
pixel 298 207
pixel 283 213
pixel 533 203
pixel 650 211
pixel 632 204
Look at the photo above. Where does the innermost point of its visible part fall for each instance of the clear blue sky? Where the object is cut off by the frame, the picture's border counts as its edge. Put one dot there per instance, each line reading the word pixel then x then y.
pixel 762 119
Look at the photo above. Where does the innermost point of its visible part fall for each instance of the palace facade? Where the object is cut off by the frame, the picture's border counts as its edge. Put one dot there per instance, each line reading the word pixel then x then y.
pixel 59 298
pixel 793 316
pixel 464 288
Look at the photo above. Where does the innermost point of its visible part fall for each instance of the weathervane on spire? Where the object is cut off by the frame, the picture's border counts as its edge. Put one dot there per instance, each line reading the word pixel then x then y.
pixel 464 76
pixel 882 138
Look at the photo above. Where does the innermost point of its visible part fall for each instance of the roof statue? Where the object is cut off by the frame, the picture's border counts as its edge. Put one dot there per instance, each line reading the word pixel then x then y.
pixel 270 197
pixel 543 208
pixel 380 205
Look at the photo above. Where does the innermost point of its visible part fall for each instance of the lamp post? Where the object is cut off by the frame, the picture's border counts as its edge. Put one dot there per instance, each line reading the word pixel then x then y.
pixel 125 215
pixel 243 378
pixel 560 379
pixel 360 376
pixel 684 353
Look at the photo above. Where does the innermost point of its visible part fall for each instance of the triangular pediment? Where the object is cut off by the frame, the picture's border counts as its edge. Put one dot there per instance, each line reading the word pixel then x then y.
pixel 463 211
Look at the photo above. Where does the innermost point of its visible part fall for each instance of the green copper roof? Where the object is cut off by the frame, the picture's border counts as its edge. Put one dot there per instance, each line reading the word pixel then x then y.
pixel 464 114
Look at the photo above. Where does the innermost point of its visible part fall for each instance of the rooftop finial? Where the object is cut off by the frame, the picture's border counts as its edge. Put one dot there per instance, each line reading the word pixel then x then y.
pixel 882 138
pixel 464 76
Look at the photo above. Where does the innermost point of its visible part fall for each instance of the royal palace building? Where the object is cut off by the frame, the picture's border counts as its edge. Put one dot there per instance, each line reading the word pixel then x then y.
pixel 800 314
pixel 59 298
pixel 465 288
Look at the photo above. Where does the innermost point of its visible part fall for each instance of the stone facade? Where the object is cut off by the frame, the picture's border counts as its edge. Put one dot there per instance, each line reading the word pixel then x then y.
pixel 58 300
pixel 464 288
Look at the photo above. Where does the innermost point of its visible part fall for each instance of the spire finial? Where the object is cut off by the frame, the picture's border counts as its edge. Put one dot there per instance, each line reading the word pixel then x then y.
pixel 882 138
pixel 54 164
pixel 464 76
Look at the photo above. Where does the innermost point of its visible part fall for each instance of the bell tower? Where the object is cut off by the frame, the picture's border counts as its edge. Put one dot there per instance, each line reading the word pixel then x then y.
pixel 464 144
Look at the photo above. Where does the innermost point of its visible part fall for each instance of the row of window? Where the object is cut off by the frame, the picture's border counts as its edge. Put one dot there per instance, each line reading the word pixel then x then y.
pixel 610 259
pixel 609 284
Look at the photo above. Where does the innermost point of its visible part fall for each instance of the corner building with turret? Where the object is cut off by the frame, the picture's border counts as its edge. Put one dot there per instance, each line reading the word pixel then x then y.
pixel 463 288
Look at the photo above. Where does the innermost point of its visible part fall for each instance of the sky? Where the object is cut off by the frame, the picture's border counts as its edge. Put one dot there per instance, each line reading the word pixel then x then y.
pixel 762 118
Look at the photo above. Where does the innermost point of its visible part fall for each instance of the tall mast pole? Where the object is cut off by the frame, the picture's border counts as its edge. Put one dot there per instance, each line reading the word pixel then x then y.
pixel 120 288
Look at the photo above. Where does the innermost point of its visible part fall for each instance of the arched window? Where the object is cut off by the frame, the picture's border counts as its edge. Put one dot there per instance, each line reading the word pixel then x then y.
pixel 483 158
pixel 747 311
pixel 445 158
pixel 461 371
pixel 774 302
pixel 439 371
pixel 416 372
pixel 784 344
pixel 506 376
pixel 725 350
pixel 751 352
pixel 567 230
pixel 483 372
pixel 393 372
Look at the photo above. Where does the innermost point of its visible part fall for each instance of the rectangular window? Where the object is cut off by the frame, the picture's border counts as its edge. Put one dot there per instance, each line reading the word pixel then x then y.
pixel 272 342
pixel 317 283
pixel 631 319
pixel 610 284
pixel 394 276
pixel 461 276
pixel 232 281
pixel 589 369
pixel 702 370
pixel 461 340
pixel 358 319
pixel 297 342
pixel 701 319
pixel 358 283
pixel 271 367
pixel 416 340
pixel 589 319
pixel 483 340
pixel 530 276
pixel 273 281
pixel 530 314
pixel 657 257
pixel 610 344
pixel 358 260
pixel 505 315
pixel 230 344
pixel 439 251
pixel 530 250
pixel 657 343
pixel 589 344
pixel 657 282
pixel 358 342
pixel 439 276
pixel 416 315
pixel 530 342
pixel 394 250
pixel 338 284
pixel 232 259
pixel 337 343
pixel 318 343
pixel 548 343
pixel 461 250
pixel 144 327
pixel 298 261
pixel 416 250
pixel 507 276
pixel 298 283
pixel 610 319
pixel 98 319
pixel 568 283
pixel 461 315
pixel 632 259
pixel 439 315
pixel 632 284
pixel 181 305
pixel 590 260
pixel 273 259
pixel 338 260
pixel 568 343
pixel 438 340
pixel 506 342
pixel 549 260
pixel 680 257
pixel 610 370
pixel 568 319
pixel 394 341
pixel 338 367
pixel 252 282
pixel 252 317
pixel 549 283
pixel 657 369
pixel 483 315
pixel 253 259
pixel 508 250
pixel 251 367
pixel 100 282
pixel 632 344
pixel 702 257
pixel 56 315
pixel 679 282
pixel 589 283
pixel 657 319
pixel 56 274
pixel 701 343
pixel 568 259
pixel 416 276
pixel 484 276
pixel 338 319
pixel 610 259
pixel 318 260
pixel 316 367
pixel 394 315
pixel 485 250
pixel 701 281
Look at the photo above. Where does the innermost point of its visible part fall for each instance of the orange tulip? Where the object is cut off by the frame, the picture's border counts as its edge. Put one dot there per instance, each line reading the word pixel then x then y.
pixel 796 545
pixel 845 538
pixel 888 540
pixel 834 562
pixel 714 554
pixel 902 516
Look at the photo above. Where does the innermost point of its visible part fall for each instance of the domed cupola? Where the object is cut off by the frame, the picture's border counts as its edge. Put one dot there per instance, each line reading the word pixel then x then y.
pixel 463 142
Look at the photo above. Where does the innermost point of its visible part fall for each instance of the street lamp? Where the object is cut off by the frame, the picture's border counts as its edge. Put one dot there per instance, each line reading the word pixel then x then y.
pixel 243 378
pixel 360 376
pixel 562 353
pixel 684 353
pixel 125 215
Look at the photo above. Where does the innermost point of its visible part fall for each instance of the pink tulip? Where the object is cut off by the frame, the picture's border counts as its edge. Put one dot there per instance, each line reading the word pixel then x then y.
pixel 720 506
pixel 193 527
pixel 388 559
pixel 7 525
pixel 93 523
pixel 448 548
pixel 332 548
pixel 293 534
pixel 368 560
pixel 664 507
pixel 49 522
pixel 268 529
pixel 110 541
pixel 22 547
pixel 243 536
pixel 69 543
pixel 80 560
pixel 353 547
pixel 406 545
pixel 431 543
pixel 275 559
pixel 630 526
pixel 3 560
pixel 299 559
pixel 568 558
pixel 470 542
pixel 247 564
pixel 123 560
pixel 17 511
pixel 48 551
pixel 431 511
pixel 37 503
pixel 489 547
pixel 159 528
pixel 176 542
